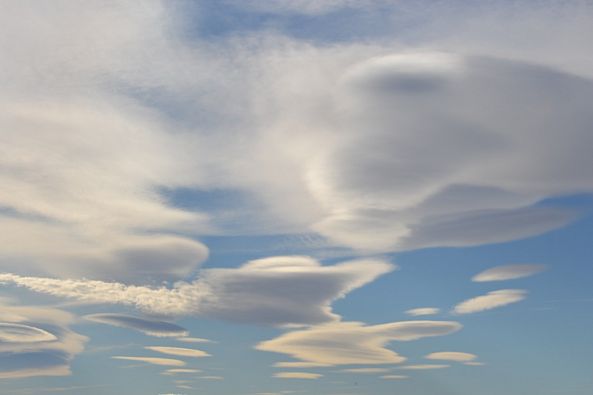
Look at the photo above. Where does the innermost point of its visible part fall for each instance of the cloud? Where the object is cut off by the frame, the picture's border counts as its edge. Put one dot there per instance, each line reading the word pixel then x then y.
pixel 148 327
pixel 37 341
pixel 394 377
pixel 179 351
pixel 474 363
pixel 424 367
pixel 194 340
pixel 451 356
pixel 383 185
pixel 423 311
pixel 153 361
pixel 271 291
pixel 17 333
pixel 305 7
pixel 297 375
pixel 350 343
pixel 489 301
pixel 365 370
pixel 508 272
pixel 173 372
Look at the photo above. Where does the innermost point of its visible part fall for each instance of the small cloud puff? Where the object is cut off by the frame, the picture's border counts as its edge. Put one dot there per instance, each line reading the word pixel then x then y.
pixel 508 272
pixel 490 301
pixel 298 375
pixel 423 311
pixel 451 356
pixel 394 377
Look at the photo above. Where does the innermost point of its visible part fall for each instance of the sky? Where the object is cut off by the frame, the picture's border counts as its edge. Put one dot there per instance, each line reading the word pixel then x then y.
pixel 274 197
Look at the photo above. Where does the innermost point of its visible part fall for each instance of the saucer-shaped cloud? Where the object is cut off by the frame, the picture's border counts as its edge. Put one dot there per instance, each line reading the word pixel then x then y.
pixel 149 327
pixel 297 375
pixel 152 360
pixel 17 333
pixel 508 272
pixel 451 356
pixel 423 311
pixel 272 291
pixel 353 343
pixel 179 351
pixel 490 301
pixel 37 341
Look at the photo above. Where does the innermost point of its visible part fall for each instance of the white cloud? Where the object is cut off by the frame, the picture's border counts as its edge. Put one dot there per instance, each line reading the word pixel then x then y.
pixel 193 340
pixel 451 356
pixel 353 343
pixel 423 311
pixel 489 301
pixel 508 272
pixel 148 327
pixel 394 377
pixel 152 360
pixel 273 291
pixel 179 351
pixel 297 375
pixel 173 372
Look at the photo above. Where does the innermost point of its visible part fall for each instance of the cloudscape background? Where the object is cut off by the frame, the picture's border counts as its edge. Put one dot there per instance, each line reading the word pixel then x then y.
pixel 272 197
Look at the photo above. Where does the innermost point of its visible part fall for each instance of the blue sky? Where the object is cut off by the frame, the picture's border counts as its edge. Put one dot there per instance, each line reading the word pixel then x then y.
pixel 325 197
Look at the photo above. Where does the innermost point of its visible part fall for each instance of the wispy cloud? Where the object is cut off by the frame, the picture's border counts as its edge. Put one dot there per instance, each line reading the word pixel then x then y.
pixel 508 272
pixel 451 356
pixel 490 301
pixel 423 311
